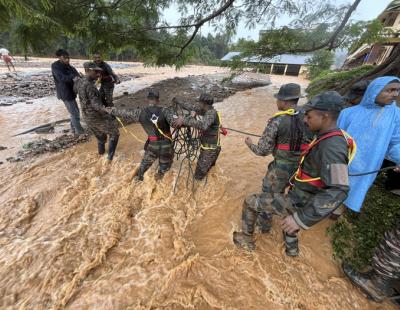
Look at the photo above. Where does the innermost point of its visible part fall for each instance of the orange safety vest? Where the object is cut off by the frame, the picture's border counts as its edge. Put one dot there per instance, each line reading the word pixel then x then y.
pixel 303 177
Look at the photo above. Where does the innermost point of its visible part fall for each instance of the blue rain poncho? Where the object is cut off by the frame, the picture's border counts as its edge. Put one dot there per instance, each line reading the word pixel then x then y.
pixel 376 131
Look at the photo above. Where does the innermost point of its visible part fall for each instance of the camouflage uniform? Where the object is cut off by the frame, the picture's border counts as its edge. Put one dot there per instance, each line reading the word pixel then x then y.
pixel 108 78
pixel 385 268
pixel 98 121
pixel 386 261
pixel 158 146
pixel 307 203
pixel 209 126
pixel 281 169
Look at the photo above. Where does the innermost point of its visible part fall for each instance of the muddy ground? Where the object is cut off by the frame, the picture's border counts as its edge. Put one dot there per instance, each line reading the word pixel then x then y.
pixel 33 86
pixel 186 89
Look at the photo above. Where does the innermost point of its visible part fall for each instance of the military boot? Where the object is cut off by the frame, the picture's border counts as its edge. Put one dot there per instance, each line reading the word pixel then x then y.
pixel 101 147
pixel 244 240
pixel 291 244
pixel 139 177
pixel 112 146
pixel 162 170
pixel 374 285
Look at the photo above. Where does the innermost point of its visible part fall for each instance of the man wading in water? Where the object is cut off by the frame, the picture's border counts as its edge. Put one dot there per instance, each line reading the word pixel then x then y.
pixel 156 122
pixel 210 129
pixel 285 137
pixel 320 184
pixel 96 117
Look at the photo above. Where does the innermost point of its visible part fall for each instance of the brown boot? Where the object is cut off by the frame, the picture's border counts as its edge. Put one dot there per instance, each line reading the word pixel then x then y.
pixel 244 241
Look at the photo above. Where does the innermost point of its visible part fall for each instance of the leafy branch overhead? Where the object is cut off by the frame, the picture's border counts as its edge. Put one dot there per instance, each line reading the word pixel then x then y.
pixel 143 24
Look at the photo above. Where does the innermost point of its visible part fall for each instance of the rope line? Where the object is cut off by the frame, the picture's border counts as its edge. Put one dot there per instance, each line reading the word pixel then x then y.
pixel 128 131
pixel 243 132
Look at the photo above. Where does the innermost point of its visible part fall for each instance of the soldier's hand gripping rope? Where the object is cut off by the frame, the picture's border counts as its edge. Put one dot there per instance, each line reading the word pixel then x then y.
pixel 187 144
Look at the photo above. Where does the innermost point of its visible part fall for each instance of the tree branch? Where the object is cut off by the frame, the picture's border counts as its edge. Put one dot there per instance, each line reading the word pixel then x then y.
pixel 201 22
pixel 330 43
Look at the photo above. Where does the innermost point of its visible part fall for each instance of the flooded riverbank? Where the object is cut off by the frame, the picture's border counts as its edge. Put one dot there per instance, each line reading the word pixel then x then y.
pixel 76 233
pixel 21 116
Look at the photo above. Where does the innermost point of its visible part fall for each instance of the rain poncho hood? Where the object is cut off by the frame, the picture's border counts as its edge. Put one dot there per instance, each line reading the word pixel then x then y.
pixel 376 131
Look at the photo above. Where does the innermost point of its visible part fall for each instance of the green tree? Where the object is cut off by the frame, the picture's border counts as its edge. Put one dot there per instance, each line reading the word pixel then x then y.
pixel 321 60
pixel 110 25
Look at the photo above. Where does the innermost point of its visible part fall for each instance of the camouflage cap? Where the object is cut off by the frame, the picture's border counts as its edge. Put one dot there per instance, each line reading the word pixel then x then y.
pixel 206 98
pixel 289 91
pixel 90 65
pixel 327 101
pixel 153 94
pixel 357 90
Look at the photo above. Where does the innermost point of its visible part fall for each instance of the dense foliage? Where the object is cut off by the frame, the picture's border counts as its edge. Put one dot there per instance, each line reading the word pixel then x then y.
pixel 140 28
pixel 355 236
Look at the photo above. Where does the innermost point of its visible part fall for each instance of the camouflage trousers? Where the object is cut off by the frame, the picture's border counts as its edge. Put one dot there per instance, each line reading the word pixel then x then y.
pixel 386 261
pixel 278 175
pixel 161 150
pixel 256 205
pixel 101 131
pixel 206 161
pixel 275 183
pixel 261 207
pixel 106 94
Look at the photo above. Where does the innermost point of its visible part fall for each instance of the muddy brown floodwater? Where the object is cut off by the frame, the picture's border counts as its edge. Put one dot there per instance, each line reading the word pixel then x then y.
pixel 75 233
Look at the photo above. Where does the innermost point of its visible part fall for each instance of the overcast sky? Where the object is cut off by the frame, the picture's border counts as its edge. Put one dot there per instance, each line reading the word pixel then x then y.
pixel 367 10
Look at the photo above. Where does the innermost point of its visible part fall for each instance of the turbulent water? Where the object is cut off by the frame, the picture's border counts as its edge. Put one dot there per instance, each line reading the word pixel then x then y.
pixel 76 233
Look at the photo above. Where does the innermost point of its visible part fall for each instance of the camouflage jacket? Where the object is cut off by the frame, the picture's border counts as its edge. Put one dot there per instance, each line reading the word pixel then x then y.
pixel 329 161
pixel 276 133
pixel 91 104
pixel 208 124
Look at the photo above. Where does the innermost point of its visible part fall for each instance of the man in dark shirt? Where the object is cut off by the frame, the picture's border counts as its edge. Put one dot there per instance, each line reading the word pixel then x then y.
pixel 108 79
pixel 156 122
pixel 64 74
pixel 320 184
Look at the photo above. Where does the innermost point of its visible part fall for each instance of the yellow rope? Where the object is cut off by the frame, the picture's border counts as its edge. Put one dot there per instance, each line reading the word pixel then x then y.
pixel 127 131
pixel 352 151
pixel 161 132
pixel 287 112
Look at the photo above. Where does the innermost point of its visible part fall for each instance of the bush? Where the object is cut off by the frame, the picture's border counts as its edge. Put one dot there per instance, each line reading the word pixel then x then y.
pixel 355 236
pixel 326 80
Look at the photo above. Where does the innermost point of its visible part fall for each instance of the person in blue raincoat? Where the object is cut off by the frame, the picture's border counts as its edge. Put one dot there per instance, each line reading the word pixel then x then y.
pixel 374 124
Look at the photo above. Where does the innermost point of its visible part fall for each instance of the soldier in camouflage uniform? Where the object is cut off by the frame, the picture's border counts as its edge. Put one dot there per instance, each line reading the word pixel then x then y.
pixel 320 183
pixel 108 79
pixel 93 110
pixel 285 137
pixel 209 126
pixel 157 122
pixel 385 268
